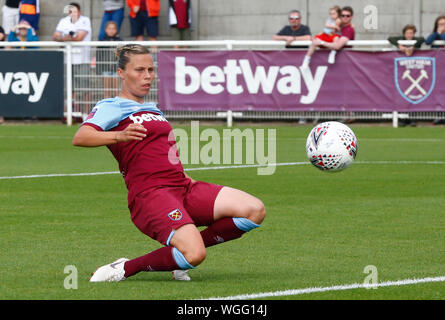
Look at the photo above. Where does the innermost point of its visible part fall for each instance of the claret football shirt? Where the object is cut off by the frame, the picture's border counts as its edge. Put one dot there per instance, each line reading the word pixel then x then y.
pixel 150 163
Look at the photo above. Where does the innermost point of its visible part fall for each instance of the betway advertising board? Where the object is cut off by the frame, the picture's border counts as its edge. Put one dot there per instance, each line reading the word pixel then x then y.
pixel 31 84
pixel 274 80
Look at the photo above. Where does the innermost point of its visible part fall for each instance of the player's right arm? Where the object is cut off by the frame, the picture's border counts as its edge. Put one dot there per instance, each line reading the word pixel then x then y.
pixel 88 136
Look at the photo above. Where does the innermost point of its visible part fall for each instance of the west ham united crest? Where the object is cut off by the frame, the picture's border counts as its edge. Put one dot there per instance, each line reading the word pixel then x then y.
pixel 175 215
pixel 415 77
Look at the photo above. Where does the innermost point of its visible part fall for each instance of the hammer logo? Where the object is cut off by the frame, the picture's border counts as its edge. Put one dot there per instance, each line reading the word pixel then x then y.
pixel 415 77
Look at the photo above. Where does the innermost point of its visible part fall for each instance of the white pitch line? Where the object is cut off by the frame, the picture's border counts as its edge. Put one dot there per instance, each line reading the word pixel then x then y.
pixel 353 286
pixel 52 175
pixel 400 162
pixel 286 139
pixel 382 139
pixel 116 172
pixel 34 137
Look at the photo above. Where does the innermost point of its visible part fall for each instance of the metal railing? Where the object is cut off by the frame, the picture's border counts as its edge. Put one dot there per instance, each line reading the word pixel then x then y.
pixel 97 80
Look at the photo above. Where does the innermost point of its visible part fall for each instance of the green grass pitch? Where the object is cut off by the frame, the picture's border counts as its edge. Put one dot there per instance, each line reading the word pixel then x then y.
pixel 321 229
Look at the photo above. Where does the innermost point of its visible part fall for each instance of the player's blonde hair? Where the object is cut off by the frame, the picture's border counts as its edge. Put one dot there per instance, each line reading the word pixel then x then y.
pixel 123 53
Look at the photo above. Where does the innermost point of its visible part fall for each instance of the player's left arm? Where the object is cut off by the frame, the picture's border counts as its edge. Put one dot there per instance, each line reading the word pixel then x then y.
pixel 87 136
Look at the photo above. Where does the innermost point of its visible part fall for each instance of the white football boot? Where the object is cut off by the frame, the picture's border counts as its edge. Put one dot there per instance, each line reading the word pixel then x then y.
pixel 112 272
pixel 181 275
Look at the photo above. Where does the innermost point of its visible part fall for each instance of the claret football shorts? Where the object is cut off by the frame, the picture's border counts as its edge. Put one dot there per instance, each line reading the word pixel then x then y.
pixel 159 211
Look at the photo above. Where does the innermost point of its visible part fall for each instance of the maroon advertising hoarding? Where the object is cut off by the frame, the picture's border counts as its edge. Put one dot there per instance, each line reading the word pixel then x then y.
pixel 274 80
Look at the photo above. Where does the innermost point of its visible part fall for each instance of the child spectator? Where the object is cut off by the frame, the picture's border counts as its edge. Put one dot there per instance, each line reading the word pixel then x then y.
pixel 113 11
pixel 331 33
pixel 347 33
pixel 408 34
pixel 332 27
pixel 22 32
pixel 106 65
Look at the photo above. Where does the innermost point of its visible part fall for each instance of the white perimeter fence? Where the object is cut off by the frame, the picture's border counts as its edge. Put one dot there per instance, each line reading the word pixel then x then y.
pixel 87 84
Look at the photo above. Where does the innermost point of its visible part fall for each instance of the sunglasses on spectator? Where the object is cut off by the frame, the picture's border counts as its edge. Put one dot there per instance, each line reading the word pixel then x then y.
pixel 346 15
pixel 294 18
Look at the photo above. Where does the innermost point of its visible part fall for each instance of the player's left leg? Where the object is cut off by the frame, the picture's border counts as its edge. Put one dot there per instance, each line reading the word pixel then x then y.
pixel 235 213
pixel 234 203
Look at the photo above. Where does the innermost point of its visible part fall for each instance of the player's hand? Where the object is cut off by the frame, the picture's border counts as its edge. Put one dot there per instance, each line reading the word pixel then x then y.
pixel 136 9
pixel 134 131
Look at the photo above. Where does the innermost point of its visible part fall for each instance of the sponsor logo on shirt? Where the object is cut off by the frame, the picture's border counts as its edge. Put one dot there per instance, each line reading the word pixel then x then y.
pixel 147 117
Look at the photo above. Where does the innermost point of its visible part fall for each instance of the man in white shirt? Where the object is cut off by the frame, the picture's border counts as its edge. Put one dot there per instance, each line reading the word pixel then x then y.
pixel 76 27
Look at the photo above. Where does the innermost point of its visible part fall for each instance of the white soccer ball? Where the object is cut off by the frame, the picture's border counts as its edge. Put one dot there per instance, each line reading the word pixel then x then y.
pixel 331 146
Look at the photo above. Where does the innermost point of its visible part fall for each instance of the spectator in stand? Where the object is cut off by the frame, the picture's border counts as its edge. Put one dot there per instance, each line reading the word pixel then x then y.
pixel 347 33
pixel 408 34
pixel 2 38
pixel 30 11
pixel 144 14
pixel 10 15
pixel 23 32
pixel 113 11
pixel 331 34
pixel 180 19
pixel 2 34
pixel 106 61
pixel 295 31
pixel 438 32
pixel 76 27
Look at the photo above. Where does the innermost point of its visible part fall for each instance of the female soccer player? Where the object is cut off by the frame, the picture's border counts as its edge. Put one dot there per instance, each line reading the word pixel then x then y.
pixel 164 202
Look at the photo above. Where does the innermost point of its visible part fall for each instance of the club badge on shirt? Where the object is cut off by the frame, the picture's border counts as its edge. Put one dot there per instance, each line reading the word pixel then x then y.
pixel 175 215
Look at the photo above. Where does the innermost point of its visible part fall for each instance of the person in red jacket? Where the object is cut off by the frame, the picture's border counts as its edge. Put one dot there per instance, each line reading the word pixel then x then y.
pixel 144 14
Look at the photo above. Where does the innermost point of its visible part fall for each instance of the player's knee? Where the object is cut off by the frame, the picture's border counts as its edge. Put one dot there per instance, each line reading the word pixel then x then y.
pixel 195 255
pixel 260 212
pixel 255 211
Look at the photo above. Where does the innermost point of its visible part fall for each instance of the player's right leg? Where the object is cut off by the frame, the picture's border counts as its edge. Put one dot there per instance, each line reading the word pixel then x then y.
pixel 185 251
pixel 160 215
pixel 187 240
